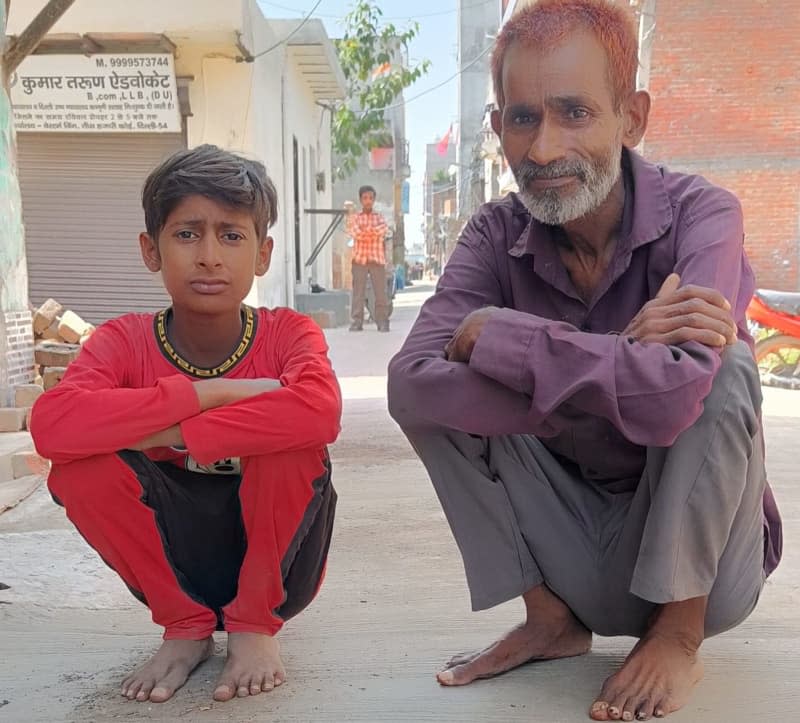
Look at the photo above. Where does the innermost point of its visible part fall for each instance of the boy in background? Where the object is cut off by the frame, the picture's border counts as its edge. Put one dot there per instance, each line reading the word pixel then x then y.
pixel 368 230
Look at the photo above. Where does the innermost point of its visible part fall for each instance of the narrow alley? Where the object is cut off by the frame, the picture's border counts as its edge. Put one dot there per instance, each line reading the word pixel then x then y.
pixel 393 608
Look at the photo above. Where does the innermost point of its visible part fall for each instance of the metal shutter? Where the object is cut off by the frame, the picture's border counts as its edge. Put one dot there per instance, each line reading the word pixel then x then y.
pixel 81 204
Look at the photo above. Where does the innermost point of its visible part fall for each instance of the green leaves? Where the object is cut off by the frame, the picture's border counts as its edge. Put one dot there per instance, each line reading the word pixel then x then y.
pixel 373 59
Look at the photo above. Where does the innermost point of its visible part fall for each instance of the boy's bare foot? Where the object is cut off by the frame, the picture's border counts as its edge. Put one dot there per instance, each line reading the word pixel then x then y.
pixel 254 664
pixel 661 670
pixel 159 678
pixel 550 631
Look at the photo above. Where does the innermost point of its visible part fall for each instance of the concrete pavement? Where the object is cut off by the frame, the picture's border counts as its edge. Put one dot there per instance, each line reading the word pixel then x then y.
pixel 393 608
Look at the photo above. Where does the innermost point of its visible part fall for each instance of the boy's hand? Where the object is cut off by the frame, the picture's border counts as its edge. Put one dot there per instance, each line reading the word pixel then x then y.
pixel 170 437
pixel 212 393
pixel 678 315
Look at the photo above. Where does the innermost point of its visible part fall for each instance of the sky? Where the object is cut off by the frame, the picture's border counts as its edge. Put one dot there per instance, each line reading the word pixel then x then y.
pixel 428 118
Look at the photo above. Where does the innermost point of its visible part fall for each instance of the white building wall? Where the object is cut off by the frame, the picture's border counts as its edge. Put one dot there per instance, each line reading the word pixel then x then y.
pixel 252 108
pixel 477 25
pixel 284 108
pixel 179 19
pixel 310 125
pixel 265 142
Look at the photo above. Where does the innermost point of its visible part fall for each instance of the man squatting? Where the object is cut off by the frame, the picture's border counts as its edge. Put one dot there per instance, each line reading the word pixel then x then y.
pixel 581 387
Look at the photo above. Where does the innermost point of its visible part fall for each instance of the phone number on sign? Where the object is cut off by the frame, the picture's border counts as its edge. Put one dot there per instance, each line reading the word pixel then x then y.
pixel 137 62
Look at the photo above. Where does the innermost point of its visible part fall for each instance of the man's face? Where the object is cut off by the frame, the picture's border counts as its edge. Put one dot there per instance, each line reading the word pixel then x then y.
pixel 559 127
pixel 208 255
pixel 367 201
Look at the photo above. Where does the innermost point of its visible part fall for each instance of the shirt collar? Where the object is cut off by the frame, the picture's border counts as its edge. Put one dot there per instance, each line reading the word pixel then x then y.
pixel 646 217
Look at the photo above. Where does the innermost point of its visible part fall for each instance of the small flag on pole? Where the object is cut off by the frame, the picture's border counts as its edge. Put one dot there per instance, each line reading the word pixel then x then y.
pixel 382 69
pixel 441 148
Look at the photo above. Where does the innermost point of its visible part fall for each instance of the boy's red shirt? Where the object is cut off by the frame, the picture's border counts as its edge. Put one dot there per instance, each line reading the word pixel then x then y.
pixel 127 384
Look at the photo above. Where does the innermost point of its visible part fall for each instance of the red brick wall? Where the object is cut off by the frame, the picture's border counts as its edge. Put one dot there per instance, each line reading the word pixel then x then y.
pixel 725 80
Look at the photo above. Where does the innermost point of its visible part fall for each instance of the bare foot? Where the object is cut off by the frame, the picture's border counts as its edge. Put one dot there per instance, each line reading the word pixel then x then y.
pixel 661 670
pixel 159 678
pixel 254 664
pixel 655 680
pixel 550 631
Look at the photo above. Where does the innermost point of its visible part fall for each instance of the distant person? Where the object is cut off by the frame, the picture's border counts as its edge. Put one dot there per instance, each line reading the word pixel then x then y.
pixel 368 230
pixel 189 446
pixel 582 388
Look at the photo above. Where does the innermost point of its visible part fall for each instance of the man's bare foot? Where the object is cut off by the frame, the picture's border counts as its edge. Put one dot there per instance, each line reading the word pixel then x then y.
pixel 655 680
pixel 550 631
pixel 659 673
pixel 159 678
pixel 254 664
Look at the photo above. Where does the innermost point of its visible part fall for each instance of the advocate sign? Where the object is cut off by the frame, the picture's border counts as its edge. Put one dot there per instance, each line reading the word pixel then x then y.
pixel 126 93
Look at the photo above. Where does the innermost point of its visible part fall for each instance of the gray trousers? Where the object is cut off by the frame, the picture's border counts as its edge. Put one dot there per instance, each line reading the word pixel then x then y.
pixel 693 526
pixel 377 273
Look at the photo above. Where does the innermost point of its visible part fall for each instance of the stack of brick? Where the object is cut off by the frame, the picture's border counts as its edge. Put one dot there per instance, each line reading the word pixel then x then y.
pixel 15 419
pixel 21 468
pixel 51 322
pixel 59 334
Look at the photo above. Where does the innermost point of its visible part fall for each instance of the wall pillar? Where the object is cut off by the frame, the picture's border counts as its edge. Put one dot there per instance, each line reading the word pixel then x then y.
pixel 16 333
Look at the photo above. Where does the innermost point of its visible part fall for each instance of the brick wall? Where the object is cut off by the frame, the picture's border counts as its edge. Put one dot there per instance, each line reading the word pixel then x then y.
pixel 726 86
pixel 16 352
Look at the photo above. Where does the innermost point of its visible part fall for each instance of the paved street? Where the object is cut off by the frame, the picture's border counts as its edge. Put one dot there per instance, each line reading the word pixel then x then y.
pixel 394 605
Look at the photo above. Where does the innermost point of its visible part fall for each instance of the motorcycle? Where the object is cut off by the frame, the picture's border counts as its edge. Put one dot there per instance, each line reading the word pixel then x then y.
pixel 774 321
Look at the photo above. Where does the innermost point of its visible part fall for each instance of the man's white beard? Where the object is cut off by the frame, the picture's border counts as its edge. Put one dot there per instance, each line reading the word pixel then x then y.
pixel 595 182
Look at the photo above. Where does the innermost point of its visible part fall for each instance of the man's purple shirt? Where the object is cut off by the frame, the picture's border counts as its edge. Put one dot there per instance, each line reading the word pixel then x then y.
pixel 550 364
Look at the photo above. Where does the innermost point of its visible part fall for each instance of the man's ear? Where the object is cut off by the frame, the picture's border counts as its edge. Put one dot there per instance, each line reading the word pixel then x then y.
pixel 496 118
pixel 150 254
pixel 635 113
pixel 264 258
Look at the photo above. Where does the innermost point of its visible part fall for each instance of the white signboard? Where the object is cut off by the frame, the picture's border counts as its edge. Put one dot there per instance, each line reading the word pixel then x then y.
pixel 96 94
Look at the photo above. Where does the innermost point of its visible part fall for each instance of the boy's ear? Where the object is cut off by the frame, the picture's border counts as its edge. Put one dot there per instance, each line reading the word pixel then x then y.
pixel 264 256
pixel 150 255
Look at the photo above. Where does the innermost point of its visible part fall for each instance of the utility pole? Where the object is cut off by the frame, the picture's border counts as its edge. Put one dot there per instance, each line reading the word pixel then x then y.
pixel 16 332
pixel 22 46
pixel 399 240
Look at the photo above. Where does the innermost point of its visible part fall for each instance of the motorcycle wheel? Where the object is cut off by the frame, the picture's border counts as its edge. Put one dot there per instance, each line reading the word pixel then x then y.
pixel 778 359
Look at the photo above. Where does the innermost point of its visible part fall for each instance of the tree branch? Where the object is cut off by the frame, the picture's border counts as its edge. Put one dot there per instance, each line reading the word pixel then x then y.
pixel 30 38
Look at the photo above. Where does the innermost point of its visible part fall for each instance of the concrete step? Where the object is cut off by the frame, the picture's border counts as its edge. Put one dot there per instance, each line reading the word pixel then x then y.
pixel 336 301
pixel 11 444
pixel 12 492
pixel 27 463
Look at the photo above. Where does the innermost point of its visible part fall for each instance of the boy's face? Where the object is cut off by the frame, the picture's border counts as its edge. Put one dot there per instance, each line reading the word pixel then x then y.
pixel 367 201
pixel 208 255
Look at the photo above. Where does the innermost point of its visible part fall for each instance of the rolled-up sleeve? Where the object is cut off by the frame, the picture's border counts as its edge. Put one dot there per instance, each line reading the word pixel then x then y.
pixel 710 250
pixel 427 390
pixel 561 369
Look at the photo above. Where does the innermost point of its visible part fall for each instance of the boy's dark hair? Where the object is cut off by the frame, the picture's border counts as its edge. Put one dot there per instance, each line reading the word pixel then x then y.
pixel 366 189
pixel 214 173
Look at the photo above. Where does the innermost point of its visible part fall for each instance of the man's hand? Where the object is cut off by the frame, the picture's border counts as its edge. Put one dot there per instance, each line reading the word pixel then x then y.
pixel 678 315
pixel 459 348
